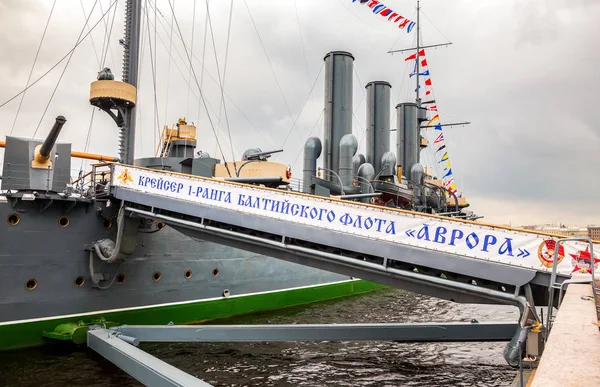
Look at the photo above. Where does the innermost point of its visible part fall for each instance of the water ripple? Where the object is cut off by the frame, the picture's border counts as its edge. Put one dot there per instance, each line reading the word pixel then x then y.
pixel 325 363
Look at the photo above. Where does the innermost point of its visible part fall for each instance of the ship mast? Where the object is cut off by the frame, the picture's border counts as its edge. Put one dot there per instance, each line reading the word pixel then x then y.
pixel 418 48
pixel 131 45
pixel 418 100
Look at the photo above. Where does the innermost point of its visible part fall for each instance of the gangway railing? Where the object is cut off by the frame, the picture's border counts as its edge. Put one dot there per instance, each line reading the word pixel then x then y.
pixel 452 259
pixel 459 260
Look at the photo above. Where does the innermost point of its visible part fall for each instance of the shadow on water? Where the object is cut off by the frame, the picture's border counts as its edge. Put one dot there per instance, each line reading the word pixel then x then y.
pixel 299 363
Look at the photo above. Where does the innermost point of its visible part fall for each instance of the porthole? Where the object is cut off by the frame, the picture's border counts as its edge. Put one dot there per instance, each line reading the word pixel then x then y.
pixel 120 278
pixel 79 281
pixel 13 219
pixel 160 225
pixel 156 276
pixel 107 223
pixel 188 274
pixel 63 221
pixel 216 271
pixel 31 284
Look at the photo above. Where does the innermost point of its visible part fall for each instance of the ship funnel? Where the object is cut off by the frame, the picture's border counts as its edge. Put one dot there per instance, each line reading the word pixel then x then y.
pixel 417 173
pixel 339 66
pixel 312 151
pixel 388 164
pixel 417 176
pixel 378 122
pixel 366 174
pixel 408 134
pixel 348 148
pixel 357 161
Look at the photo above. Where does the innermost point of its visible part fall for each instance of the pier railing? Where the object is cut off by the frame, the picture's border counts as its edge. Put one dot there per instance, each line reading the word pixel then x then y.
pixel 561 286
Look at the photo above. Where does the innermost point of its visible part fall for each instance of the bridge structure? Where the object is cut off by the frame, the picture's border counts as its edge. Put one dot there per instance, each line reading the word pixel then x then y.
pixel 458 260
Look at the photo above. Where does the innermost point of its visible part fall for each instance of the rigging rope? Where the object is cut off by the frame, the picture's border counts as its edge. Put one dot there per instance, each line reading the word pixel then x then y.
pixel 301 40
pixel 155 143
pixel 303 106
pixel 140 109
pixel 63 72
pixel 65 68
pixel 91 37
pixel 434 26
pixel 155 116
pixel 363 98
pixel 269 61
pixel 87 138
pixel 359 18
pixel 184 62
pixel 222 103
pixel 198 85
pixel 32 67
pixel 103 53
pixel 221 79
pixel 105 41
pixel 203 57
pixel 105 45
pixel 183 76
pixel 310 134
pixel 170 56
pixel 192 53
pixel 107 37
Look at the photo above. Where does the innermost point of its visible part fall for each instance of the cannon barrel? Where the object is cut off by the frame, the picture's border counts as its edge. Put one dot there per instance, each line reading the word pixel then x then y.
pixel 46 147
pixel 261 155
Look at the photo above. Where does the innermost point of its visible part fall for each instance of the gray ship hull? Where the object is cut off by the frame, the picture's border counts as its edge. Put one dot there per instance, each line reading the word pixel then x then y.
pixel 38 248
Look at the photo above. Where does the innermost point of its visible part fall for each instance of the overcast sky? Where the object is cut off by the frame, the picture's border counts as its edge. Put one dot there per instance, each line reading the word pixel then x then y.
pixel 525 73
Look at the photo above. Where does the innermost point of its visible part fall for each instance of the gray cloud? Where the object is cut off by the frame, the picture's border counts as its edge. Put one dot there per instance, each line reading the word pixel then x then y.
pixel 522 72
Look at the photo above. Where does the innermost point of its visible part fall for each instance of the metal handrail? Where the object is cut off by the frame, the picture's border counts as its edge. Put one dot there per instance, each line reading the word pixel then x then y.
pixel 553 285
pixel 336 175
pixel 367 180
pixel 397 195
pixel 436 187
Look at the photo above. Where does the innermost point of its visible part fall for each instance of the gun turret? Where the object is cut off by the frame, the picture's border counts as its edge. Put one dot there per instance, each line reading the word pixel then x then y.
pixel 42 153
pixel 46 172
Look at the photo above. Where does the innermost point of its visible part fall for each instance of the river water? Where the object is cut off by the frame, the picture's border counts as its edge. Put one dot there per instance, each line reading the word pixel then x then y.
pixel 302 363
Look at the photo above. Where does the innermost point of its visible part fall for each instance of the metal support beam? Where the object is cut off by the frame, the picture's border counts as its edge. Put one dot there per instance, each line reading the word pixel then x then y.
pixel 409 332
pixel 419 47
pixel 118 344
pixel 441 125
pixel 359 196
pixel 142 366
pixel 451 124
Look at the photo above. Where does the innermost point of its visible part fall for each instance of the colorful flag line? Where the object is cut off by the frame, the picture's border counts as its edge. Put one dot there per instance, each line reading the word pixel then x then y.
pixel 379 8
pixel 439 143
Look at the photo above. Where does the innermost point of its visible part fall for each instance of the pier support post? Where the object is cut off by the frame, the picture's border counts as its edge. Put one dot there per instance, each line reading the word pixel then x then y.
pixel 142 366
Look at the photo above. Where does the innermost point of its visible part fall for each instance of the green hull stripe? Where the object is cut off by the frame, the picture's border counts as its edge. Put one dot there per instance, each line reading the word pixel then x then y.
pixel 29 334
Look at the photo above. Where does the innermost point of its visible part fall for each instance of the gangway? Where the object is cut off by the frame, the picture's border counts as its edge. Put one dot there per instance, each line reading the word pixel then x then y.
pixel 453 259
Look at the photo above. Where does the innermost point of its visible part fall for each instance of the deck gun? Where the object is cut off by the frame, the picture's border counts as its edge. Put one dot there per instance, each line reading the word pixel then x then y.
pixel 258 155
pixel 43 152
pixel 34 165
